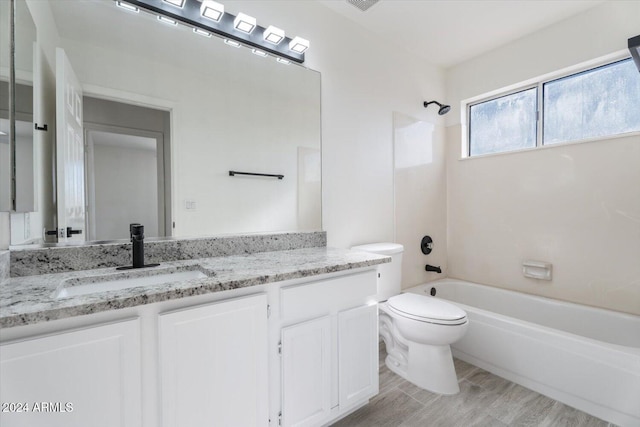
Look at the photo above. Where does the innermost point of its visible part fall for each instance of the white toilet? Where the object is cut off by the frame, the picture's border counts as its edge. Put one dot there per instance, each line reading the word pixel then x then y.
pixel 416 329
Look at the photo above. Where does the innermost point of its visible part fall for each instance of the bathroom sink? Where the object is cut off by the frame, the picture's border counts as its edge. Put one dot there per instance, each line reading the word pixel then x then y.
pixel 129 279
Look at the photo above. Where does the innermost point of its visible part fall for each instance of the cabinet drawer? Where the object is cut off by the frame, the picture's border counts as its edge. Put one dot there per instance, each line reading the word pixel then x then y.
pixel 320 297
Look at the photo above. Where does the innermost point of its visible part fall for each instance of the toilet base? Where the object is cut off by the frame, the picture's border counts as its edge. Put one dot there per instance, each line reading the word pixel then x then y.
pixel 429 367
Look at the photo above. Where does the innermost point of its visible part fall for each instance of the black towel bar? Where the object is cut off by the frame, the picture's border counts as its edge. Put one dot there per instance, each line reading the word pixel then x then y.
pixel 234 173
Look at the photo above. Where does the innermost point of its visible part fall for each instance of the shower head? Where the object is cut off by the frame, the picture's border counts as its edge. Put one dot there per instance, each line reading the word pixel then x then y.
pixel 444 109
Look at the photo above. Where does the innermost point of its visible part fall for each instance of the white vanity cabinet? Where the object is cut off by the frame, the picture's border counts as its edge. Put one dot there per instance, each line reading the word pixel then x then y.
pixel 78 378
pixel 329 348
pixel 306 373
pixel 357 354
pixel 301 352
pixel 213 364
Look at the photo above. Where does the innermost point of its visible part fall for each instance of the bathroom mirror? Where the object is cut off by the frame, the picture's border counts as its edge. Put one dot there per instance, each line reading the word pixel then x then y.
pixel 22 100
pixel 5 161
pixel 5 152
pixel 228 110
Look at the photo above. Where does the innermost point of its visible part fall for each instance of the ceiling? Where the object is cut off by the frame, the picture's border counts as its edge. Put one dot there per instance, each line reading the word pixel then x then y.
pixel 447 32
pixel 442 32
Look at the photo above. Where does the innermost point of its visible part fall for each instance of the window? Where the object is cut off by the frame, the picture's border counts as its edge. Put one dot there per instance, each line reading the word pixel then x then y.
pixel 503 124
pixel 596 103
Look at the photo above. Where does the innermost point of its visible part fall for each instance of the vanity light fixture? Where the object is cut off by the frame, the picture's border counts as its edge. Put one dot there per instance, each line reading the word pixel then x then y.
pixel 177 3
pixel 232 43
pixel 299 45
pixel 208 18
pixel 273 34
pixel 259 52
pixel 127 6
pixel 244 23
pixel 212 10
pixel 202 32
pixel 167 21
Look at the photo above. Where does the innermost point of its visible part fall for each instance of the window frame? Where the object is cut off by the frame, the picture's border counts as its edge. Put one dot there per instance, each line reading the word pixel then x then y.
pixel 538 83
pixel 502 95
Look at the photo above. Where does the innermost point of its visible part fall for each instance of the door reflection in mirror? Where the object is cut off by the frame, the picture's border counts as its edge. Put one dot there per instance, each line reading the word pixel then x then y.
pixel 122 178
pixel 126 169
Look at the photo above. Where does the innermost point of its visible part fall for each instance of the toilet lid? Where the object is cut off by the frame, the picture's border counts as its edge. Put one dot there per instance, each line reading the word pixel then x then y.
pixel 427 309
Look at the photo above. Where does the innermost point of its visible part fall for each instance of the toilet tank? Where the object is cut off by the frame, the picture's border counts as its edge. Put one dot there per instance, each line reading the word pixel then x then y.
pixel 389 274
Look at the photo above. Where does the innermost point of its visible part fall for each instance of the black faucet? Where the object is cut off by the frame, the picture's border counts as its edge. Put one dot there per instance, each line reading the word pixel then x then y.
pixel 137 240
pixel 432 268
pixel 136 231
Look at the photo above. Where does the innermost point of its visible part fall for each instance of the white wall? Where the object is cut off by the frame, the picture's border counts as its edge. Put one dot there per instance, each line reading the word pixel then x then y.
pixel 420 196
pixel 261 134
pixel 126 190
pixel 364 80
pixel 204 147
pixel 576 206
pixel 600 31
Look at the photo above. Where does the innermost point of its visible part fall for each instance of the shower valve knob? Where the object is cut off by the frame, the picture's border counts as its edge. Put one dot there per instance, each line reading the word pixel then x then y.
pixel 426 245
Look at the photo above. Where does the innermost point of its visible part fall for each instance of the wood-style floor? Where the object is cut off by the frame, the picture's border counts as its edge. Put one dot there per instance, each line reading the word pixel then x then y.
pixel 484 400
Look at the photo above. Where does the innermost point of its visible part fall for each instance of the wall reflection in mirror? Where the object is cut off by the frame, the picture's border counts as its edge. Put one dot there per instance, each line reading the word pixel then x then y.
pixel 16 142
pixel 164 114
pixel 5 164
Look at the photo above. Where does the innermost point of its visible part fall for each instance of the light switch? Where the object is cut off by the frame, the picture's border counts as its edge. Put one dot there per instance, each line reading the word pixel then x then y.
pixel 190 205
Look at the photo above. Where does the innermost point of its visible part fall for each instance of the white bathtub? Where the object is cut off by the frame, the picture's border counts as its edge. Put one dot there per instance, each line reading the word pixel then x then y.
pixel 585 357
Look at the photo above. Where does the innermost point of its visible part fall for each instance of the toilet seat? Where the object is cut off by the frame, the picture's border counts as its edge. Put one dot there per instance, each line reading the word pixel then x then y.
pixel 426 309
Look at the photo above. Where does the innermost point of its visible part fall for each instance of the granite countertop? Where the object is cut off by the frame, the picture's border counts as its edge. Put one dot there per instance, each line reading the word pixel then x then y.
pixel 31 299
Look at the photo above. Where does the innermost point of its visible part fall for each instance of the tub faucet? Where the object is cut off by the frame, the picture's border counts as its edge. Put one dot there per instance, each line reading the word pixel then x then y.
pixel 432 268
pixel 136 231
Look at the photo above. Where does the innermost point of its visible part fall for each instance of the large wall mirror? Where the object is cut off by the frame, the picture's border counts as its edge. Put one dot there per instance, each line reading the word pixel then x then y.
pixel 5 151
pixel 16 143
pixel 153 119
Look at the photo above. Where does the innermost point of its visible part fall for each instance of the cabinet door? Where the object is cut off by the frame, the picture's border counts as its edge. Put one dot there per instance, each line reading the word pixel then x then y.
pixel 87 377
pixel 357 354
pixel 213 364
pixel 306 373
